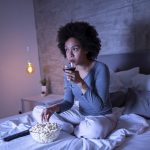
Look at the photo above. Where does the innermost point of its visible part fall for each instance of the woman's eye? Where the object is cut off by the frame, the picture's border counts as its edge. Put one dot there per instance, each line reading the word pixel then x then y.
pixel 66 49
pixel 75 49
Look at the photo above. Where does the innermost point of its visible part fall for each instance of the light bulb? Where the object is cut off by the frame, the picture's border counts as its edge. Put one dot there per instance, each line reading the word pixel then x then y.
pixel 29 68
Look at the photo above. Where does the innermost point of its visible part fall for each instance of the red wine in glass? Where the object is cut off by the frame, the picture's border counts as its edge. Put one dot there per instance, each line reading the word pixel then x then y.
pixel 71 67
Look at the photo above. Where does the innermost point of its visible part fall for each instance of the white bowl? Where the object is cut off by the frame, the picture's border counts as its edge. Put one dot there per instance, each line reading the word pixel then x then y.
pixel 45 133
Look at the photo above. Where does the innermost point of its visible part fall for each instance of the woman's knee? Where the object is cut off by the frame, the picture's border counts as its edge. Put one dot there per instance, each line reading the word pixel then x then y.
pixel 93 128
pixel 37 112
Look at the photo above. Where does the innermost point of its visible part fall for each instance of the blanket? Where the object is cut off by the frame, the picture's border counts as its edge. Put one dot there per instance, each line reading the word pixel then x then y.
pixel 128 125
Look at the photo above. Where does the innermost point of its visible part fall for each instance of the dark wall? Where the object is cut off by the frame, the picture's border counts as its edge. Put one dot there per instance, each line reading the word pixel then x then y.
pixel 123 26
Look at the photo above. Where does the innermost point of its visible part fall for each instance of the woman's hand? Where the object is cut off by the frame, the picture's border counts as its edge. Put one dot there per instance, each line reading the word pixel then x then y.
pixel 73 76
pixel 48 112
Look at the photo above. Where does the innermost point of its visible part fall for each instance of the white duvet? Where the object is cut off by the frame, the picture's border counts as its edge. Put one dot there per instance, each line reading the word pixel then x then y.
pixel 128 125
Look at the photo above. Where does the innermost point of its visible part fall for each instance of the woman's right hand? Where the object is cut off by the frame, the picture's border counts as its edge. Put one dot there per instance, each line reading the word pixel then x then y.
pixel 48 112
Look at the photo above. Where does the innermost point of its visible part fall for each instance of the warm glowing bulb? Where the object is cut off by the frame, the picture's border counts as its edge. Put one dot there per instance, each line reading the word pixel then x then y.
pixel 30 68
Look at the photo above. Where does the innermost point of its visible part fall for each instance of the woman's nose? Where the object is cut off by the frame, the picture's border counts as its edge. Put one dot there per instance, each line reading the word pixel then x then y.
pixel 70 54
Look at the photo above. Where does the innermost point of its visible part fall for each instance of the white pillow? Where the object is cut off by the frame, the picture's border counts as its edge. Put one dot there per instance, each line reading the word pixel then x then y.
pixel 115 83
pixel 121 81
pixel 141 82
pixel 126 76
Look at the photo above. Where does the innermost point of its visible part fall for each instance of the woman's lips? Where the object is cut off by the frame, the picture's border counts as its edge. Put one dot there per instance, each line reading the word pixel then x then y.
pixel 71 60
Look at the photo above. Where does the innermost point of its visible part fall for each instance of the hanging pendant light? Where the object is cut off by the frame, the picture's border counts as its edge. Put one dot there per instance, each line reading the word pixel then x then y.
pixel 29 66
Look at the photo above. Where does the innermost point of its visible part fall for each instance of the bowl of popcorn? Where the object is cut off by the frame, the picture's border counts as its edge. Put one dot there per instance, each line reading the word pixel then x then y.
pixel 45 133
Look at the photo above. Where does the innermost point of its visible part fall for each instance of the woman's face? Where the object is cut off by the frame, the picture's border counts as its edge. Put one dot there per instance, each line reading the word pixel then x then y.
pixel 74 51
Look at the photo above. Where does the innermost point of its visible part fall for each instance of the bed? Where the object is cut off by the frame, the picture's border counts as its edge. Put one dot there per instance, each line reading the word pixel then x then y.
pixel 129 91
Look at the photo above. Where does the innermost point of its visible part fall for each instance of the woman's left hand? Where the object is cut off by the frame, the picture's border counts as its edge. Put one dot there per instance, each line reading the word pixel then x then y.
pixel 73 76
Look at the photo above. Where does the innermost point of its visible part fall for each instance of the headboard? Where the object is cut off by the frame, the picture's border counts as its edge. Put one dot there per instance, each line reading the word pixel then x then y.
pixel 119 62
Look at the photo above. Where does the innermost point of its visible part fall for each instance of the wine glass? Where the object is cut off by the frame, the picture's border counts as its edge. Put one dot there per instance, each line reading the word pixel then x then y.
pixel 70 66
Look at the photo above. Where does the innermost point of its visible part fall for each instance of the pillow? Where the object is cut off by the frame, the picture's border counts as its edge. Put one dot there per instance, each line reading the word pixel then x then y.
pixel 141 82
pixel 117 98
pixel 126 76
pixel 121 81
pixel 115 83
pixel 138 102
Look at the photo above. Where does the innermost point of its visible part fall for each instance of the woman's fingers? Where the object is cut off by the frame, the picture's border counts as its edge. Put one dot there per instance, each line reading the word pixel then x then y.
pixel 73 77
pixel 70 76
pixel 45 115
pixel 42 117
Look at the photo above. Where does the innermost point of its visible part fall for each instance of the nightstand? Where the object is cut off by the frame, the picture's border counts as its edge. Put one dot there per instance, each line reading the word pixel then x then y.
pixel 39 100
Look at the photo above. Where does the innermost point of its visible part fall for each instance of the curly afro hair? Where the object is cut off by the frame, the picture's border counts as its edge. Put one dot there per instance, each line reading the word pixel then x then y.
pixel 84 33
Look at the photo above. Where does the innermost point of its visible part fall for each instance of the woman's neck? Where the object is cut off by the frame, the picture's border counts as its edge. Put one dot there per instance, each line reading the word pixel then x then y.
pixel 86 66
pixel 85 69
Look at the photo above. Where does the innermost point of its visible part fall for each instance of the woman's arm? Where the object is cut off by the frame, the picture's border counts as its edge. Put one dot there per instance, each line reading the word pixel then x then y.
pixel 68 101
pixel 97 96
pixel 61 107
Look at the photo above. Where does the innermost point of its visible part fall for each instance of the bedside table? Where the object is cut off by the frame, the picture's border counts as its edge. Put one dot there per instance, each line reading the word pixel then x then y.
pixel 39 100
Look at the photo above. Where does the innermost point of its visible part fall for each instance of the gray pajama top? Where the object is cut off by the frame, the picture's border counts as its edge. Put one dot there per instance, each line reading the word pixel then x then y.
pixel 96 99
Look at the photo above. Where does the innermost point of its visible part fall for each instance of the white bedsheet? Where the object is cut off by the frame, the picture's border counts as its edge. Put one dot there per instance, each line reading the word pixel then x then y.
pixel 129 127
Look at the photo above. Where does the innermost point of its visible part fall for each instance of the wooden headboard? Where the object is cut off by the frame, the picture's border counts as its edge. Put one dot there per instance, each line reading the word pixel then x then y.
pixel 119 62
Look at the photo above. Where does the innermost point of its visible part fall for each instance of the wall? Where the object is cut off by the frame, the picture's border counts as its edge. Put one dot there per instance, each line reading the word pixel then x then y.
pixel 123 26
pixel 17 30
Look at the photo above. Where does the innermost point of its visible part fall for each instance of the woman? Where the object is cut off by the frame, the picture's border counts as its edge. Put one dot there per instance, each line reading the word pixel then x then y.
pixel 88 83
